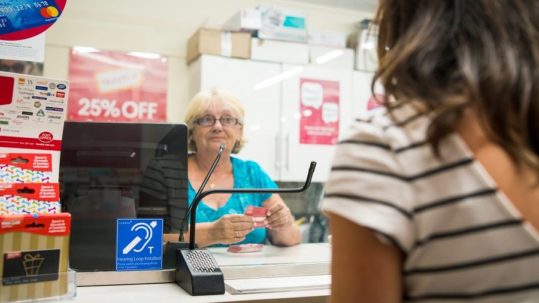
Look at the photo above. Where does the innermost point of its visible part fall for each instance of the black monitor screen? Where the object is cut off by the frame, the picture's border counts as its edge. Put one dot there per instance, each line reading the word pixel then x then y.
pixel 119 170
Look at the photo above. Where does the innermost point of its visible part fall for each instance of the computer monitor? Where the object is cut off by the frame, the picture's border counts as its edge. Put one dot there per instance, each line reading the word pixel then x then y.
pixel 119 170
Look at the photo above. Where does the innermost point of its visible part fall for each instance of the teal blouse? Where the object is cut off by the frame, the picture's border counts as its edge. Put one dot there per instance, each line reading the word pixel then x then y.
pixel 247 174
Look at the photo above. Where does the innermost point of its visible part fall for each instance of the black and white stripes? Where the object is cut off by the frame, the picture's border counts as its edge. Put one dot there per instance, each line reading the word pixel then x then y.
pixel 463 240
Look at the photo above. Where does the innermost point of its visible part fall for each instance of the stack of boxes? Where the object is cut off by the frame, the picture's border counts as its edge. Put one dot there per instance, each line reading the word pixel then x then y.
pixel 272 34
pixel 364 41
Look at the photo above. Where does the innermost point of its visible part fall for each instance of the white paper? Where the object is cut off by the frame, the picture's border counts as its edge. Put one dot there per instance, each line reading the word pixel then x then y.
pixel 31 49
pixel 263 285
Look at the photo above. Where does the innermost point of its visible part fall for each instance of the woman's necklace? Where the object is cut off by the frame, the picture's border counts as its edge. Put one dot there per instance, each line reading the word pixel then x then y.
pixel 215 181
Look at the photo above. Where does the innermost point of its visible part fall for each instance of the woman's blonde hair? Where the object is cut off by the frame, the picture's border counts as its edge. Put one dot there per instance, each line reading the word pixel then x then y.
pixel 202 101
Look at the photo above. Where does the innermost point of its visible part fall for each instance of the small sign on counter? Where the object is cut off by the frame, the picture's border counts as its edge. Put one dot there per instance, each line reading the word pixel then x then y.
pixel 139 244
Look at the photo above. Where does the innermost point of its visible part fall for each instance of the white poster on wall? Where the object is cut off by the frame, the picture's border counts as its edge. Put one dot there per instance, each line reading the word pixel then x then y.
pixel 31 49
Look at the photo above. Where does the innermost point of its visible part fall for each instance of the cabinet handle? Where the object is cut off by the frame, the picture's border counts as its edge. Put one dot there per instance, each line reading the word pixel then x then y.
pixel 277 152
pixel 287 152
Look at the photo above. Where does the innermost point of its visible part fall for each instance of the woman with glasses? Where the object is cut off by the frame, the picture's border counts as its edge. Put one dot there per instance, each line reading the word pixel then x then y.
pixel 216 117
pixel 437 198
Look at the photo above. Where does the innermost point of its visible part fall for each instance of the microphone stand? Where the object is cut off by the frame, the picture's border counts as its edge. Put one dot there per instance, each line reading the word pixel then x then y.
pixel 202 186
pixel 171 248
pixel 197 272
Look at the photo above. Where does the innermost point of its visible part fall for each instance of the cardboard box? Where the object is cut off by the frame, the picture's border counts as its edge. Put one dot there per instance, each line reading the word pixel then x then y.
pixel 25 167
pixel 29 198
pixel 279 51
pixel 282 24
pixel 364 42
pixel 331 57
pixel 327 38
pixel 245 20
pixel 34 256
pixel 216 42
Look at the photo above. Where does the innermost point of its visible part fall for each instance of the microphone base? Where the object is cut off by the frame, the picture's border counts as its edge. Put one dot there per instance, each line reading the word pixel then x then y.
pixel 170 253
pixel 198 273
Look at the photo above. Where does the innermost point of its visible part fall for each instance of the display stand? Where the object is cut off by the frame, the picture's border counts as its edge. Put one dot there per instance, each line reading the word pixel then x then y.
pixel 63 287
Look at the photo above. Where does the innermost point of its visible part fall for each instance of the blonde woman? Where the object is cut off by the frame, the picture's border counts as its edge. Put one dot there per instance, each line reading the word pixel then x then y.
pixel 215 117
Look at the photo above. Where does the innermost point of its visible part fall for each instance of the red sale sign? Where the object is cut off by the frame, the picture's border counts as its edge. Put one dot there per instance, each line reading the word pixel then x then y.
pixel 319 107
pixel 116 86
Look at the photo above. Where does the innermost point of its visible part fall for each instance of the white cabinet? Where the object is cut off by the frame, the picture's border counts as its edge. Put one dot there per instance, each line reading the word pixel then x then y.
pixel 275 100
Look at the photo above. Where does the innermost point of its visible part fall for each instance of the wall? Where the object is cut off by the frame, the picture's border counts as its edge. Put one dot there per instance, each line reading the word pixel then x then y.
pixel 162 26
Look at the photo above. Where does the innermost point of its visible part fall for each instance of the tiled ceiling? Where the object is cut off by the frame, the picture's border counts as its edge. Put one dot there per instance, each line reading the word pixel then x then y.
pixel 360 5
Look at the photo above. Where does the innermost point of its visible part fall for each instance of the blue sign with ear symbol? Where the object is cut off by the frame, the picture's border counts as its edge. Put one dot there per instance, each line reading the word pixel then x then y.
pixel 139 244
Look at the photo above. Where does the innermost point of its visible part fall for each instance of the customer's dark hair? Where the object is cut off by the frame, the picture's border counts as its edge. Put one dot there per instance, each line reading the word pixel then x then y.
pixel 453 54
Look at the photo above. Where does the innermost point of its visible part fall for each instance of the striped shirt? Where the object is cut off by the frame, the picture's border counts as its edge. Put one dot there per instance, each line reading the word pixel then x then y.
pixel 463 240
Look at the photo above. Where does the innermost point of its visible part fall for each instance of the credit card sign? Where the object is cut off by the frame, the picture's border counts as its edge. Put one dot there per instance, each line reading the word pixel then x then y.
pixel 17 15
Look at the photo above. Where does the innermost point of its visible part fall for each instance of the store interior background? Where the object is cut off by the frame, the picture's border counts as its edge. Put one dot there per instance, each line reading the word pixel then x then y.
pixel 164 26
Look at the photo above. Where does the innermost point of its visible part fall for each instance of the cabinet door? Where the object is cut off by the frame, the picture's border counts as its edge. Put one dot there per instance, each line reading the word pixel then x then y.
pixel 315 114
pixel 262 105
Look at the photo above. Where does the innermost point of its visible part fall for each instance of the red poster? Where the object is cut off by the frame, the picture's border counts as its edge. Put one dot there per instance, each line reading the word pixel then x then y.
pixel 319 109
pixel 117 86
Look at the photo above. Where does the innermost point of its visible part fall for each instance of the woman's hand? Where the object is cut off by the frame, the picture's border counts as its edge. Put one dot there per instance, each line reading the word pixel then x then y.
pixel 281 227
pixel 231 229
pixel 279 215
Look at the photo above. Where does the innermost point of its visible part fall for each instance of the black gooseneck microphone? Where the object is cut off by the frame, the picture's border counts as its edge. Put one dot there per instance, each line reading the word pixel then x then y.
pixel 201 188
pixel 197 271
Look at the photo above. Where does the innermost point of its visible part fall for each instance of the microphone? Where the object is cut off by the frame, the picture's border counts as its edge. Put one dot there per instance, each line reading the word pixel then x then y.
pixel 197 272
pixel 171 248
pixel 201 188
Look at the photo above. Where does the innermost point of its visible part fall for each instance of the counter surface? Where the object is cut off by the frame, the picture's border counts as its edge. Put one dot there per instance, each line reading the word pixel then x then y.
pixel 273 268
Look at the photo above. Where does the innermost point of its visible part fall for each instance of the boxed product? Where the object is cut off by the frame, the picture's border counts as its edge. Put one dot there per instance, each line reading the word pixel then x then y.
pixel 216 42
pixel 282 24
pixel 327 38
pixel 279 51
pixel 365 43
pixel 34 254
pixel 338 58
pixel 26 168
pixel 245 20
pixel 29 198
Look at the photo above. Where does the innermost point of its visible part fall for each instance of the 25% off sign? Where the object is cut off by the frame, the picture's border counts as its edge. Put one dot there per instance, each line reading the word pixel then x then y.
pixel 126 110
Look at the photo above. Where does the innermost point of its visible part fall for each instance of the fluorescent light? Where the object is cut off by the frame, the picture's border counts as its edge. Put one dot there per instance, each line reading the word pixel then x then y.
pixel 85 49
pixel 329 56
pixel 280 77
pixel 145 55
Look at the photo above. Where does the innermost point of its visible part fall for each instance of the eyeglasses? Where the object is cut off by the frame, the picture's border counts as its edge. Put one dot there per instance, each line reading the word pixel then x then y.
pixel 224 120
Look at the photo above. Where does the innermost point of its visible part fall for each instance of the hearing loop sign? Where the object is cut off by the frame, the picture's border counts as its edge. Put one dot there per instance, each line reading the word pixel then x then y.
pixel 139 244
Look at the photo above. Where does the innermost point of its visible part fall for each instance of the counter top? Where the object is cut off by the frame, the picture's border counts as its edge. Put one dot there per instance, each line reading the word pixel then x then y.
pixel 274 274
pixel 170 292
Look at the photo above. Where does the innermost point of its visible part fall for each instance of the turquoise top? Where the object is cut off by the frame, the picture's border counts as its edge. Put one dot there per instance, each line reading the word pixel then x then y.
pixel 247 174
